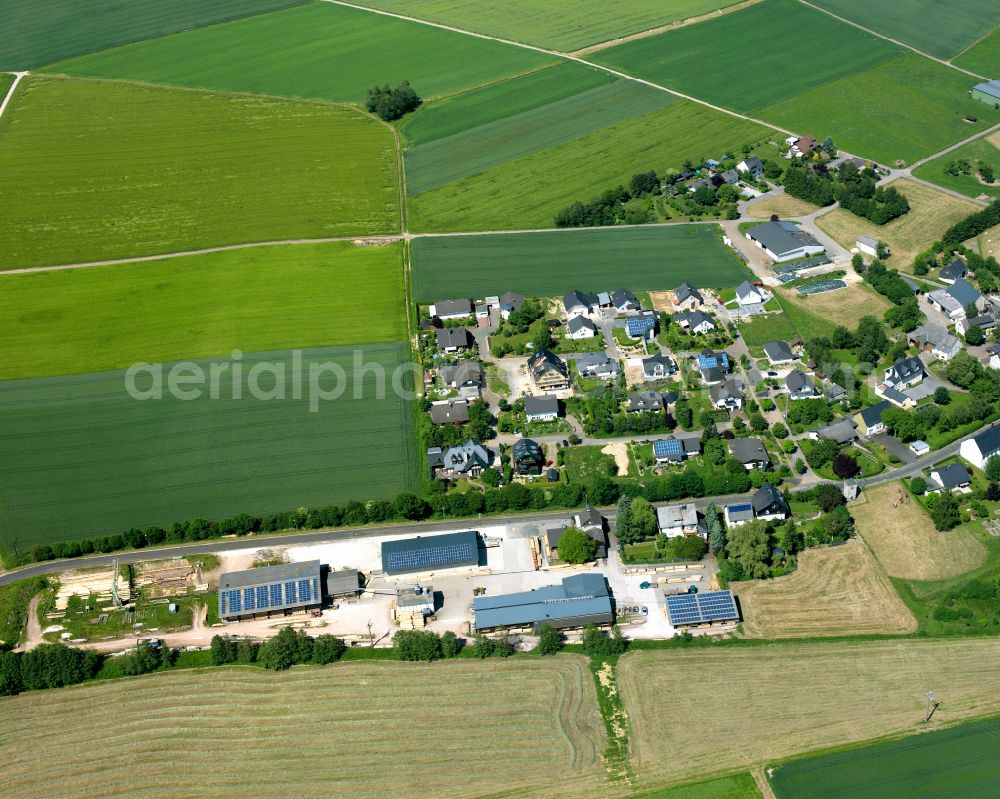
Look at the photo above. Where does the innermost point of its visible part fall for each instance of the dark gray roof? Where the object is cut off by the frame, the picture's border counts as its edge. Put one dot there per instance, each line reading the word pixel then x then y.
pixel 554 535
pixel 623 297
pixel 954 270
pixel 344 581
pixel 748 450
pixel 453 337
pixel 685 290
pixel 766 496
pixel 905 369
pixel 954 475
pixel 574 298
pixel 730 176
pixel 657 362
pixel 453 411
pixel 753 162
pixel 963 292
pixel 577 601
pixel 544 360
pixel 541 405
pixel 426 553
pixel 453 307
pixel 645 401
pixel 527 449
pixel 466 372
pixel 694 318
pixel 778 351
pixel 798 382
pixel 594 362
pixel 988 441
pixel 580 322
pixel 745 288
pixel 873 413
pixel 841 431
pixel 782 237
pixel 511 300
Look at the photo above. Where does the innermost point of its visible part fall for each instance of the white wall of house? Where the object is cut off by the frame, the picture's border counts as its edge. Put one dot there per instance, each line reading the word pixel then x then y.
pixel 970 452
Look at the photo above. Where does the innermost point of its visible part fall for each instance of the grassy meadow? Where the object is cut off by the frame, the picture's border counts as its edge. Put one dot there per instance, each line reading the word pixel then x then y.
pixel 319 50
pixel 775 39
pixel 83 457
pixel 843 692
pixel 109 317
pixel 564 26
pixel 549 264
pixel 959 760
pixel 55 29
pixel 499 101
pixel 351 748
pixel 906 108
pixel 158 170
pixel 529 191
pixel 493 144
pixel 980 151
pixel 983 57
pixel 941 29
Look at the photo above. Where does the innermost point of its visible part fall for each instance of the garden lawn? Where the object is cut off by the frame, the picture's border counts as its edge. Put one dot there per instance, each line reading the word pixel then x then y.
pixel 759 330
pixel 771 44
pixel 931 213
pixel 84 458
pixel 530 191
pixel 905 109
pixel 983 56
pixel 537 264
pixel 38 32
pixel 565 26
pixel 941 29
pixel 958 760
pixel 109 317
pixel 92 171
pixel 319 50
pixel 981 151
pixel 478 149
pixel 498 101
pixel 584 463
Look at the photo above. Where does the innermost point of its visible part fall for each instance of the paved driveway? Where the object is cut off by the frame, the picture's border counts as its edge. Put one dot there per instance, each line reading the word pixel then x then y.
pixel 894 446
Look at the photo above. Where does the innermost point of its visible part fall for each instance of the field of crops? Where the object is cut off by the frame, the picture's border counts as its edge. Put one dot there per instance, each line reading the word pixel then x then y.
pixel 83 457
pixel 960 760
pixel 983 57
pixel 105 170
pixel 776 38
pixel 529 191
pixel 981 151
pixel 498 101
pixel 835 591
pixel 549 264
pixel 565 26
pixel 318 732
pixel 905 108
pixel 939 29
pixel 318 50
pixel 109 317
pixel 54 29
pixel 775 701
pixel 478 149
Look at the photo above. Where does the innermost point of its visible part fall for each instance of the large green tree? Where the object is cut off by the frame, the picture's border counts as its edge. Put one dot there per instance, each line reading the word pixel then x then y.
pixel 576 546
pixel 749 546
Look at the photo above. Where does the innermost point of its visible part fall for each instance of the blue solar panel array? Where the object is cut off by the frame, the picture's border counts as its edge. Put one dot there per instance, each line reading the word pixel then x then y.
pixel 667 447
pixel 713 361
pixel 714 606
pixel 640 325
pixel 269 597
pixel 430 557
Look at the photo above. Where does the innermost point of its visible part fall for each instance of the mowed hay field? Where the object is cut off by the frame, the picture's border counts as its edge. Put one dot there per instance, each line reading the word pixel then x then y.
pixel 931 213
pixel 841 307
pixel 338 730
pixel 565 26
pixel 92 170
pixel 257 300
pixel 957 761
pixel 319 50
pixel 983 57
pixel 941 29
pixel 981 151
pixel 528 192
pixel 784 205
pixel 904 539
pixel 41 32
pixel 85 457
pixel 835 591
pixel 548 264
pixel 779 700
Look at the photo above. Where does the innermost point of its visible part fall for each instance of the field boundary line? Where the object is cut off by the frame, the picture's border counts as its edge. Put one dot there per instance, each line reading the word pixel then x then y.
pixel 596 47
pixel 897 42
pixel 10 92
pixel 566 56
pixel 953 147
pixel 762 784
pixel 968 47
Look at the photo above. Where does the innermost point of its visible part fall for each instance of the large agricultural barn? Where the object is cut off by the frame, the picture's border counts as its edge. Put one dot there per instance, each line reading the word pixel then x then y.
pixel 580 600
pixel 272 589
pixel 423 554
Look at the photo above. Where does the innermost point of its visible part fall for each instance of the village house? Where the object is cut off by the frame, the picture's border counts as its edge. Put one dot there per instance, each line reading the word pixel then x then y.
pixel 624 301
pixel 749 294
pixel 752 166
pixel 687 297
pixel 800 387
pixel 658 367
pixel 466 460
pixel 510 302
pixel 451 309
pixel 956 270
pixel 467 377
pixel 779 353
pixel 954 477
pixel 642 326
pixel 727 395
pixel 677 520
pixel 870 419
pixel 578 303
pixel 936 340
pixel 695 321
pixel 750 452
pixel 668 450
pixel 954 300
pixel 714 366
pixel 454 339
pixel 541 409
pixel 868 246
pixel 548 372
pixel 641 401
pixel 527 457
pixel 596 364
pixel 580 327
pixel 451 411
pixel 980 448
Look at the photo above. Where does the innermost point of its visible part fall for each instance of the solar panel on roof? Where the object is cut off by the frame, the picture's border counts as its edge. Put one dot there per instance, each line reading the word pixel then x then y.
pixel 668 446
pixel 706 608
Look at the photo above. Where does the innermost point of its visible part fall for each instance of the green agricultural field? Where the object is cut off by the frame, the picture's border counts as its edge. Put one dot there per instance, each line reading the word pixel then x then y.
pixel 318 50
pixel 109 317
pixel 83 457
pixel 983 57
pixel 445 160
pixel 39 32
pixel 549 264
pixel 981 151
pixel 5 84
pixel 776 38
pixel 738 786
pixel 906 108
pixel 565 26
pixel 529 192
pixel 92 170
pixel 958 761
pixel 498 101
pixel 941 29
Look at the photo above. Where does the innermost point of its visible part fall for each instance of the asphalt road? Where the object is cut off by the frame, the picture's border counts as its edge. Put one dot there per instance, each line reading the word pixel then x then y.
pixel 327 535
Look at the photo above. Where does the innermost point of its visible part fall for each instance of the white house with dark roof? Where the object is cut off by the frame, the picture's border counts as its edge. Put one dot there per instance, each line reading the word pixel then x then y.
pixel 779 353
pixel 687 296
pixel 640 401
pixel 800 387
pixel 596 364
pixel 450 411
pixel 953 477
pixel 904 373
pixel 453 339
pixel 466 460
pixel 994 351
pixel 727 395
pixel 658 367
pixel 749 294
pixel 624 301
pixel 677 520
pixel 578 303
pixel 953 271
pixel 783 241
pixel 750 452
pixel 979 449
pixel 451 309
pixel 769 504
pixel 936 340
pixel 510 302
pixel 985 322
pixel 954 300
pixel 468 377
pixel 751 166
pixel 695 321
pixel 541 409
pixel 580 327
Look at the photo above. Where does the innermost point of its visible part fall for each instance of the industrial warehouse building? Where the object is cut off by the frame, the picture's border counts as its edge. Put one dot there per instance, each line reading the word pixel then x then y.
pixel 343 583
pixel 273 589
pixel 423 554
pixel 580 600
